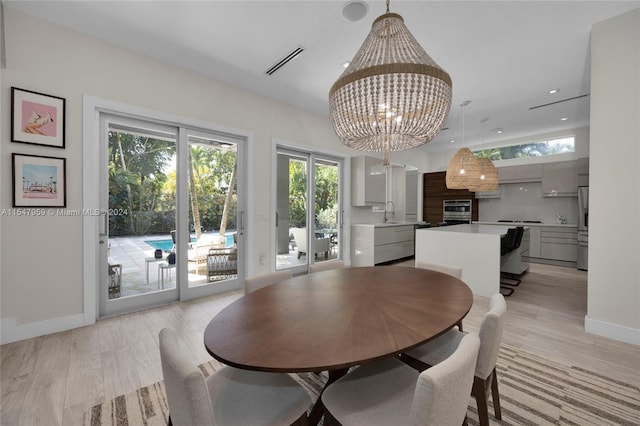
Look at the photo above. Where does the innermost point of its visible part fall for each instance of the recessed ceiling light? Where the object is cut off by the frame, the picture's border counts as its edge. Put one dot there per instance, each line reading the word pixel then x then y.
pixel 345 64
pixel 564 118
pixel 452 141
pixel 497 130
pixel 553 91
pixel 354 10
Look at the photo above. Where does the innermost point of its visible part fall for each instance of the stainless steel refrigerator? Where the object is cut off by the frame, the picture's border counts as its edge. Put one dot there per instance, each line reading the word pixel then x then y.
pixel 583 227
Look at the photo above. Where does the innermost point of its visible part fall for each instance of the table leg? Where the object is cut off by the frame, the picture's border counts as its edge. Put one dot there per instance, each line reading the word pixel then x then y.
pixel 318 408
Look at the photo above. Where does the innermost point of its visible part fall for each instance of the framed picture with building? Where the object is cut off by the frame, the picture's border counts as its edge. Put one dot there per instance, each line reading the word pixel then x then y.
pixel 37 118
pixel 39 181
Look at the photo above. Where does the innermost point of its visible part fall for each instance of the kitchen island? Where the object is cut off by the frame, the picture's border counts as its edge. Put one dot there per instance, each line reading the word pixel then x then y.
pixel 476 249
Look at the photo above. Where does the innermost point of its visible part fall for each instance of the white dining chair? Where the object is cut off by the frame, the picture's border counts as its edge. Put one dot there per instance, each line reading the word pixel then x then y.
pixel 263 280
pixel 454 271
pixel 440 267
pixel 485 378
pixel 230 396
pixel 326 266
pixel 389 392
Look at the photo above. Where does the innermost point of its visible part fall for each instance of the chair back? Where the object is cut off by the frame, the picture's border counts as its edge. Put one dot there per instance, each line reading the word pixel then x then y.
pixel 491 336
pixel 440 267
pixel 442 391
pixel 255 283
pixel 325 266
pixel 518 237
pixel 185 386
pixel 300 235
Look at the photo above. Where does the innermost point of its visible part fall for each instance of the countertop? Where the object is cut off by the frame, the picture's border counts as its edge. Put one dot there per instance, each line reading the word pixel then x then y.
pixel 473 228
pixel 559 225
pixel 385 225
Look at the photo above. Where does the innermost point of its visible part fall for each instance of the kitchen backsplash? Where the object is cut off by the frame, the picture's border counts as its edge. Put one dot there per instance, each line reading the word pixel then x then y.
pixel 524 201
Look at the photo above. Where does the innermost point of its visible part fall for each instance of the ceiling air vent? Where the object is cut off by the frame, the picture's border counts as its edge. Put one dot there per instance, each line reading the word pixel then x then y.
pixel 282 62
pixel 557 102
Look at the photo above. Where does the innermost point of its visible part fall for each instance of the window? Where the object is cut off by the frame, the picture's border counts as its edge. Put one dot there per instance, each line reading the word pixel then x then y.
pixel 534 149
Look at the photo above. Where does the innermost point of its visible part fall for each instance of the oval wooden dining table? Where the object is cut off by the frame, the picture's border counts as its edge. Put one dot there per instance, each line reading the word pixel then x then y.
pixel 336 319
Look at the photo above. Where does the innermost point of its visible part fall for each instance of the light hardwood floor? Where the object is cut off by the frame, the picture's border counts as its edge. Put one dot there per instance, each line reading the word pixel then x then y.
pixel 54 379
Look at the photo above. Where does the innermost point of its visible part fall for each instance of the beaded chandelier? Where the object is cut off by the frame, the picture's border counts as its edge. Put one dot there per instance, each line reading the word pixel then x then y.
pixel 392 96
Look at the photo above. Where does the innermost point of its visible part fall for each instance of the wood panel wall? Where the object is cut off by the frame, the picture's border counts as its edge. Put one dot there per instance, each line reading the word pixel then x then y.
pixel 435 191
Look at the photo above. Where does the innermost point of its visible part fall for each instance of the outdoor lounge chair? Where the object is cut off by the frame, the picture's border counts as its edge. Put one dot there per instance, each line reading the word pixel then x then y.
pixel 222 263
pixel 322 245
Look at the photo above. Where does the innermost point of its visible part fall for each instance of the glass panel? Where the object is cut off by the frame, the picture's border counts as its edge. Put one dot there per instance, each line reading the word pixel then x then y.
pixel 213 201
pixel 326 210
pixel 535 149
pixel 141 206
pixel 291 221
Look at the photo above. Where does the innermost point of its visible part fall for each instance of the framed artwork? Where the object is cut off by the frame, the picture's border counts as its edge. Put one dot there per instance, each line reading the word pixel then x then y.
pixel 37 118
pixel 39 181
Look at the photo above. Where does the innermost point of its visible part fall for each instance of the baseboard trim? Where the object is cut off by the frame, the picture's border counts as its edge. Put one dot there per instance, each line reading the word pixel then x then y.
pixel 12 332
pixel 612 331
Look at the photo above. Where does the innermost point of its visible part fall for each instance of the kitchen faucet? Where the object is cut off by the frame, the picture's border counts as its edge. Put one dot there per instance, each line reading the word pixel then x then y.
pixel 392 211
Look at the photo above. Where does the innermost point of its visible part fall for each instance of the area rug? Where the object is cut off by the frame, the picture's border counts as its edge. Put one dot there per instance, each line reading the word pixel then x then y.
pixel 533 391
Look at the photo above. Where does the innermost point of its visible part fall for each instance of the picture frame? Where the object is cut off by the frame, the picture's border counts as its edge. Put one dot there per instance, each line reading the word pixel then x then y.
pixel 37 118
pixel 39 181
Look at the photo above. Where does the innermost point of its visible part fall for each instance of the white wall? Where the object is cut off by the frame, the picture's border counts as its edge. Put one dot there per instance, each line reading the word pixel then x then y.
pixel 41 281
pixel 614 239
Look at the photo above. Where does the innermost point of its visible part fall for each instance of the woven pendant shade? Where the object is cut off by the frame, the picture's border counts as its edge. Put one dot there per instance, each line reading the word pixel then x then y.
pixel 392 96
pixel 463 170
pixel 488 177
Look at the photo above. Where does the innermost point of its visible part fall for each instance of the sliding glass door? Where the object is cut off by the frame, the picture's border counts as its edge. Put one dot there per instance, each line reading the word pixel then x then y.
pixel 169 198
pixel 308 209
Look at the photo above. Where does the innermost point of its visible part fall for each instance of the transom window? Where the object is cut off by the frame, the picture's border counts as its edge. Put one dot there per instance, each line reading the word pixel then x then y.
pixel 533 149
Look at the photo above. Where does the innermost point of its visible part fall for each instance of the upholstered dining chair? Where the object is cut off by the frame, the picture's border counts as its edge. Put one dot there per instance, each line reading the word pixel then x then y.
pixel 485 377
pixel 263 280
pixel 454 271
pixel 230 396
pixel 325 266
pixel 389 392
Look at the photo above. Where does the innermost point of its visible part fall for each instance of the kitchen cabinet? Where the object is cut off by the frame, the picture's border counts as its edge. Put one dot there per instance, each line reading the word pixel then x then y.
pixel 411 187
pixel 489 194
pixel 373 244
pixel 560 179
pixel 554 243
pixel 522 173
pixel 368 181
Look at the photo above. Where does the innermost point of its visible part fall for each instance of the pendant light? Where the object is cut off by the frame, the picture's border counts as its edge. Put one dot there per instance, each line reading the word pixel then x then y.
pixel 392 96
pixel 463 168
pixel 488 177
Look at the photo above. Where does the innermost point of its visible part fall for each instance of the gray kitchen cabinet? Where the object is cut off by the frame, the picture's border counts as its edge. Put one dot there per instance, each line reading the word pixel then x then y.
pixel 559 243
pixel 534 241
pixel 368 181
pixel 373 244
pixel 411 202
pixel 489 194
pixel 522 173
pixel 560 179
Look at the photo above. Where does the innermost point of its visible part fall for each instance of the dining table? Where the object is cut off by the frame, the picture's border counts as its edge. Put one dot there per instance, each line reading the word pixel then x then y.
pixel 336 319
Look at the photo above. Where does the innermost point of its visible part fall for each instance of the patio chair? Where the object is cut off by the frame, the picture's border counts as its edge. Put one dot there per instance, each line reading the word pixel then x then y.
pixel 322 245
pixel 222 263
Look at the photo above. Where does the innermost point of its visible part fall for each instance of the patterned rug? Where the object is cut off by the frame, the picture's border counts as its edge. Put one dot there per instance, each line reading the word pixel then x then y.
pixel 533 391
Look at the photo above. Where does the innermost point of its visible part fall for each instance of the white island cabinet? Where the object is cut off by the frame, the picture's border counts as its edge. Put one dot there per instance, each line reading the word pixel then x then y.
pixel 377 243
pixel 472 247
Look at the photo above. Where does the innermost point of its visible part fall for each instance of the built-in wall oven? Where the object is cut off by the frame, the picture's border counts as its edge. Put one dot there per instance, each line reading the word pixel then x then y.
pixel 456 211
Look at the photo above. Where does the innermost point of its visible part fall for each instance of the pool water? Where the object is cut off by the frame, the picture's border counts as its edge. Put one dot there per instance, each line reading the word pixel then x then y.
pixel 167 244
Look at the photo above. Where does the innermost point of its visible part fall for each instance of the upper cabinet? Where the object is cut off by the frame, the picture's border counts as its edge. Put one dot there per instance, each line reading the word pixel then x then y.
pixel 368 181
pixel 523 173
pixel 560 179
pixel 411 207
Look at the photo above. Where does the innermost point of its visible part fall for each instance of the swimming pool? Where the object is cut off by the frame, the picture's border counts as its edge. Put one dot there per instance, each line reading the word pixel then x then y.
pixel 167 244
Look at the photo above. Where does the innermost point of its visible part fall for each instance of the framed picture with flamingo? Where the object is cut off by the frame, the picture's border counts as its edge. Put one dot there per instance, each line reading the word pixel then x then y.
pixel 37 118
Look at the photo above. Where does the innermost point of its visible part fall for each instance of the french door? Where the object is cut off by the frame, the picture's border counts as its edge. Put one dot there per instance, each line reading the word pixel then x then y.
pixel 170 201
pixel 309 213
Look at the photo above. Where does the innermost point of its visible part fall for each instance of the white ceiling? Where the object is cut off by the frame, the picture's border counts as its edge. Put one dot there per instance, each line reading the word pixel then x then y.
pixel 504 56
